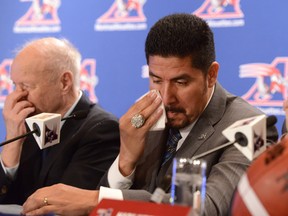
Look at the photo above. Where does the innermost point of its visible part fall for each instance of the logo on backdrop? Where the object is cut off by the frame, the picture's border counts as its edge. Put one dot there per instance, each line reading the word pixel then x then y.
pixel 88 79
pixel 221 13
pixel 41 17
pixel 270 86
pixel 6 84
pixel 123 15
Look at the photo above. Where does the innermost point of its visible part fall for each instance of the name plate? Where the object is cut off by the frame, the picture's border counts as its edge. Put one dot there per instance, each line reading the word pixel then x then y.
pixel 109 207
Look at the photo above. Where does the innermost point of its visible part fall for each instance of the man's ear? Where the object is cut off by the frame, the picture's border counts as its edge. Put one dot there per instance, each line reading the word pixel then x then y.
pixel 67 81
pixel 213 74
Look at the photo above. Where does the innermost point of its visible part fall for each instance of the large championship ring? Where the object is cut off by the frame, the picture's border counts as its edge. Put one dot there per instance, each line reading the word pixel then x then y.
pixel 137 120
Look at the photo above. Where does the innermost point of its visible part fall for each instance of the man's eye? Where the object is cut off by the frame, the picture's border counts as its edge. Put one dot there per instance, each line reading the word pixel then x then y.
pixel 25 87
pixel 156 81
pixel 181 82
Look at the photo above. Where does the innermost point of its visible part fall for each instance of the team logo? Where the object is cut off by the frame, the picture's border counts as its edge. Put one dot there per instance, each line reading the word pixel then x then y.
pixel 6 84
pixel 88 79
pixel 41 17
pixel 221 13
pixel 270 86
pixel 123 15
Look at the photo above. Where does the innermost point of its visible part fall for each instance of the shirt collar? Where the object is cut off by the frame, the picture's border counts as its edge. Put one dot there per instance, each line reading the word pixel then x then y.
pixel 71 108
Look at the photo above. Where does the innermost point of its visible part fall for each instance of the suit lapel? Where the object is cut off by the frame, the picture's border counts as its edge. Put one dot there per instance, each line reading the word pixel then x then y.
pixel 196 138
pixel 58 150
pixel 31 150
pixel 68 130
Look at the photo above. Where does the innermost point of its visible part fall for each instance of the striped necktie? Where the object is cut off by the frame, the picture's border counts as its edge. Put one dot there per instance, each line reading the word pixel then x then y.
pixel 171 145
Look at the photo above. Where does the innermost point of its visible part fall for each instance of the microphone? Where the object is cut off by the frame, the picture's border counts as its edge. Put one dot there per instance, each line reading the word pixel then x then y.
pixel 248 135
pixel 35 129
pixel 271 120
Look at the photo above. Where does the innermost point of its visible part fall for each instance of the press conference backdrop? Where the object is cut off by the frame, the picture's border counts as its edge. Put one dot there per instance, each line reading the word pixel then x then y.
pixel 251 39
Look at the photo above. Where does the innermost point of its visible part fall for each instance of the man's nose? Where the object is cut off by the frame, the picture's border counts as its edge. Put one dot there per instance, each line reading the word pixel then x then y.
pixel 18 88
pixel 168 94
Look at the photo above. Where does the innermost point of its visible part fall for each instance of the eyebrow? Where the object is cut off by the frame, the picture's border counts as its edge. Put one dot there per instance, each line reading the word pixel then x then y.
pixel 183 76
pixel 152 74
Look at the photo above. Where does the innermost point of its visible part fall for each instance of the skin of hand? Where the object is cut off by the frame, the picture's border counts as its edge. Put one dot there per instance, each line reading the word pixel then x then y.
pixel 16 109
pixel 61 200
pixel 133 139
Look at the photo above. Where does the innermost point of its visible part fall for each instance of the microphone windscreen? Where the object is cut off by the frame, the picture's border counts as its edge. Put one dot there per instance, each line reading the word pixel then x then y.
pixel 36 128
pixel 272 133
pixel 271 120
pixel 241 139
pixel 46 127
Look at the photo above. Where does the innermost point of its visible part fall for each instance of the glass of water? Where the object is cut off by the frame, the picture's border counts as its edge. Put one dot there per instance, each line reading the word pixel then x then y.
pixel 188 184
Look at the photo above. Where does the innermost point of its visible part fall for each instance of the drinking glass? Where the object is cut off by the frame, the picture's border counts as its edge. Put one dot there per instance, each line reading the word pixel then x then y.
pixel 188 184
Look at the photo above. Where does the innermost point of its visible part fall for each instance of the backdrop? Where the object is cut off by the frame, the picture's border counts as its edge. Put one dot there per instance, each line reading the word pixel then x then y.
pixel 251 43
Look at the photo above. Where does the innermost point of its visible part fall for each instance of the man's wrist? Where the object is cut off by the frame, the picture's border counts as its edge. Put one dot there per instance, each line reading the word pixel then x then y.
pixel 126 168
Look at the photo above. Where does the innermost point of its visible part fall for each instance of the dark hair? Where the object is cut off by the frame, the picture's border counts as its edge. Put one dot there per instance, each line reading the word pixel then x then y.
pixel 182 35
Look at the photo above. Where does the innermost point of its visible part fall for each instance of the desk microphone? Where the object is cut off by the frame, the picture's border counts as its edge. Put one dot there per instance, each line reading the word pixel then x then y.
pixel 271 120
pixel 36 129
pixel 241 139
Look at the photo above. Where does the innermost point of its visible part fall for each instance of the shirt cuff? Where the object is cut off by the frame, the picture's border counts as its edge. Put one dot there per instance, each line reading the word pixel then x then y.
pixel 10 172
pixel 109 193
pixel 116 180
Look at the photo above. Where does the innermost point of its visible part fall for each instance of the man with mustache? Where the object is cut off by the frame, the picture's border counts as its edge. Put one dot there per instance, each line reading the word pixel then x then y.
pixel 182 67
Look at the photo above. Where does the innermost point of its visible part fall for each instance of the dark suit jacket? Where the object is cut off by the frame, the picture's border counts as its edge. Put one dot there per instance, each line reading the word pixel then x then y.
pixel 86 150
pixel 224 167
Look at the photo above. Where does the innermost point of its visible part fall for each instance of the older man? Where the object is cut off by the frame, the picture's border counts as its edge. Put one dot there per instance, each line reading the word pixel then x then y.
pixel 46 75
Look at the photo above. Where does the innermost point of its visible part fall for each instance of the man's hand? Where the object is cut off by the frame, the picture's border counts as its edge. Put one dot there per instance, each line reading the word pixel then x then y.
pixel 61 199
pixel 15 110
pixel 133 139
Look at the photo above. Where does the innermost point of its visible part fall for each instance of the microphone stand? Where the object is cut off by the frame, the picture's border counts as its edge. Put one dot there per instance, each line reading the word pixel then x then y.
pixel 18 137
pixel 212 150
pixel 36 130
pixel 240 138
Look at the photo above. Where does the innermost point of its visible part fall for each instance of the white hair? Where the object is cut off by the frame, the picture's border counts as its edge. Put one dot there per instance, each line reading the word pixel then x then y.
pixel 60 56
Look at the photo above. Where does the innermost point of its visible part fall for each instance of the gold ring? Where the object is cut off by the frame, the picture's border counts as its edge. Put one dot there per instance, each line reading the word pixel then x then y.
pixel 45 200
pixel 137 120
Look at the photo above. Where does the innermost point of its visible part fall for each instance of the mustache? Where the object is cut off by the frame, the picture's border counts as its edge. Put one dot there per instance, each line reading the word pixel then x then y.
pixel 174 109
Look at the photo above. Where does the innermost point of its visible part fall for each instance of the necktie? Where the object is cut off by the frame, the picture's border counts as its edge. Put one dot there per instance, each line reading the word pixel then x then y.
pixel 171 146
